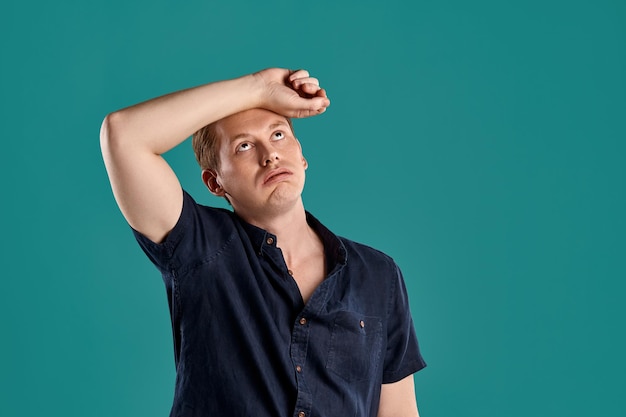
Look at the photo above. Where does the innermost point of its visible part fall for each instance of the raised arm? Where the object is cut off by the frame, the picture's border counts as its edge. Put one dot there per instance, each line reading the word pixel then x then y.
pixel 133 139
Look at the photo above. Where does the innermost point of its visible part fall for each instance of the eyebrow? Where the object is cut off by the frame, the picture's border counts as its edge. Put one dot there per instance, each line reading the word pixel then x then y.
pixel 270 127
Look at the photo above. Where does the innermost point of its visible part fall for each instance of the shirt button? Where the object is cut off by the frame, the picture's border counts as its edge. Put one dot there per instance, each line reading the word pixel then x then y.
pixel 362 324
pixel 270 240
pixel 303 321
pixel 301 414
pixel 298 368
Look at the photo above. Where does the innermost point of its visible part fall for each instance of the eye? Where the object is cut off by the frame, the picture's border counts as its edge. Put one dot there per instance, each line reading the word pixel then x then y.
pixel 243 146
pixel 278 135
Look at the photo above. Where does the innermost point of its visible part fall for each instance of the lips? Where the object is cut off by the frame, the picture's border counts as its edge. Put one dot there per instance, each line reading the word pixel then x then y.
pixel 275 175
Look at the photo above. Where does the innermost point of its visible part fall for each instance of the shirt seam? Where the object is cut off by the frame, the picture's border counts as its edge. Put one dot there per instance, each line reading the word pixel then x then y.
pixel 185 269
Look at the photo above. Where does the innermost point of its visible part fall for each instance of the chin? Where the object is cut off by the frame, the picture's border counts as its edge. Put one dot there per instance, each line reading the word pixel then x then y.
pixel 284 197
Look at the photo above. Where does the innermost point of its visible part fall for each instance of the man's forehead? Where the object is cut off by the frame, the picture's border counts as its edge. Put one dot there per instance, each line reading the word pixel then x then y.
pixel 248 122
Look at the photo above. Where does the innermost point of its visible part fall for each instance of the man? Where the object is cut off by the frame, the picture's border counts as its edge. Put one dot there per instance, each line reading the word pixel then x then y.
pixel 272 314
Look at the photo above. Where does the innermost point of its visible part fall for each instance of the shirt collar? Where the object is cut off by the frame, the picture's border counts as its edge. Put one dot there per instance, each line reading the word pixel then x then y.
pixel 335 251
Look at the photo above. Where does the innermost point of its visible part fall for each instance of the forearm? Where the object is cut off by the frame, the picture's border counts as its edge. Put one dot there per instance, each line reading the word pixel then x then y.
pixel 162 123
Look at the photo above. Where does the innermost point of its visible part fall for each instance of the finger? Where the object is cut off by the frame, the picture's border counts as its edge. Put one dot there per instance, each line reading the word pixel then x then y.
pixel 308 113
pixel 311 89
pixel 319 106
pixel 305 107
pixel 298 74
pixel 306 80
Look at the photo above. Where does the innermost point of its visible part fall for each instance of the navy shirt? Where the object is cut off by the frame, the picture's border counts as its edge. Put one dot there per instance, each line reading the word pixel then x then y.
pixel 246 344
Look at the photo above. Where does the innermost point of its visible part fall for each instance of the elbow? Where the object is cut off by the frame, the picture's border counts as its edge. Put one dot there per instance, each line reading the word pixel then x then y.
pixel 111 132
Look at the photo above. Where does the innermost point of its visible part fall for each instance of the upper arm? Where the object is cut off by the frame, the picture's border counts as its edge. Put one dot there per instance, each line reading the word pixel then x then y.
pixel 398 399
pixel 145 187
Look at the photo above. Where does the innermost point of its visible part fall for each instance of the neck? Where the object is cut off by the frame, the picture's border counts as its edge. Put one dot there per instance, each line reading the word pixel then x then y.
pixel 294 236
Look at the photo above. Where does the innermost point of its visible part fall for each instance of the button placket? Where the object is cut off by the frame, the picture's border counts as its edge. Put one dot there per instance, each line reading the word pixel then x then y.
pixel 299 346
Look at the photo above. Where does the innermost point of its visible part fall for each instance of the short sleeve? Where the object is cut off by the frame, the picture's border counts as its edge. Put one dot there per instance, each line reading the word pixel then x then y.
pixel 402 357
pixel 199 232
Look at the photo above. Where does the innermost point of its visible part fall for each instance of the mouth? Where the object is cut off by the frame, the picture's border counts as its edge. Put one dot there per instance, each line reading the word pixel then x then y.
pixel 276 175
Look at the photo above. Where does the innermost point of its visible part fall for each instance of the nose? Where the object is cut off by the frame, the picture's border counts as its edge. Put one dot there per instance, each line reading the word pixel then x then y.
pixel 270 157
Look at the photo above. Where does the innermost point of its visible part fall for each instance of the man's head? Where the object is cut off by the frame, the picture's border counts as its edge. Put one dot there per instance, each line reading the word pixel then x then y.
pixel 253 159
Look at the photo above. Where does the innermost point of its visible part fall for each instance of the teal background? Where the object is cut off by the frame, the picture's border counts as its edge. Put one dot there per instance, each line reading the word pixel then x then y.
pixel 481 144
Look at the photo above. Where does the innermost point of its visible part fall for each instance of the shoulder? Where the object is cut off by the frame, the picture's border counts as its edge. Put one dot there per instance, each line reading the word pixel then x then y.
pixel 198 226
pixel 194 212
pixel 354 254
pixel 365 256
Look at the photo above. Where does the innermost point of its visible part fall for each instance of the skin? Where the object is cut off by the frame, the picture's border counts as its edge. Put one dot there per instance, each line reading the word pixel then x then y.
pixel 254 144
pixel 250 112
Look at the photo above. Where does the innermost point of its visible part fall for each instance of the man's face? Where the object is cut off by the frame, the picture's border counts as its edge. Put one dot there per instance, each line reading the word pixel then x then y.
pixel 261 163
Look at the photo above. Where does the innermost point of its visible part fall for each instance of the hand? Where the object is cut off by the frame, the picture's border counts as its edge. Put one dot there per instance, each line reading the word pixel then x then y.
pixel 292 93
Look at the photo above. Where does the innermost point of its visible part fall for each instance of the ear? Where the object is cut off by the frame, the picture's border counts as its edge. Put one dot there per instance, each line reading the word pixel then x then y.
pixel 209 178
pixel 304 161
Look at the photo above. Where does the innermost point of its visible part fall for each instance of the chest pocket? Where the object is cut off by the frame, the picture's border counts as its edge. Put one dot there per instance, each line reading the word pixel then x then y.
pixel 355 346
